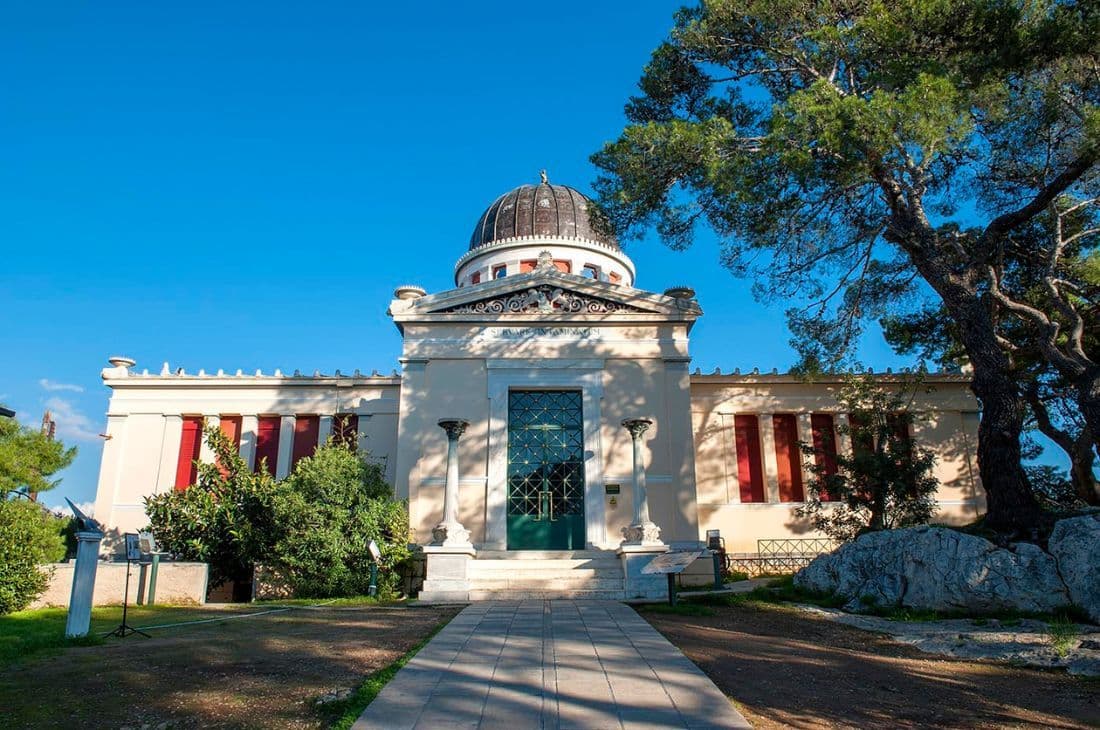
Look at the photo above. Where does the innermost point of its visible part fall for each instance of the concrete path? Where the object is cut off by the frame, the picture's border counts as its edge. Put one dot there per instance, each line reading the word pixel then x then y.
pixel 550 664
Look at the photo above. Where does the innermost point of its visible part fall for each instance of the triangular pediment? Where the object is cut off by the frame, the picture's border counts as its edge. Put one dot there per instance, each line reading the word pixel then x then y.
pixel 550 293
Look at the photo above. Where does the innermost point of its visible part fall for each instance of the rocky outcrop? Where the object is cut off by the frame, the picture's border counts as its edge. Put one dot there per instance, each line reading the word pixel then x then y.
pixel 940 569
pixel 1075 544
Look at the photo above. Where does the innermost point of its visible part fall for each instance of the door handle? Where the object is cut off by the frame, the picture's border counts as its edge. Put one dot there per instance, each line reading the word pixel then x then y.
pixel 550 500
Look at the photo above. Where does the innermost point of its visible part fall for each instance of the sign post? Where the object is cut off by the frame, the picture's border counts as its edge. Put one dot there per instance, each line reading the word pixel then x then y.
pixel 670 565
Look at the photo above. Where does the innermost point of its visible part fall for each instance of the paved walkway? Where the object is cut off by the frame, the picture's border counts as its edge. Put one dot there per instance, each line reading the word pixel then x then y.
pixel 550 664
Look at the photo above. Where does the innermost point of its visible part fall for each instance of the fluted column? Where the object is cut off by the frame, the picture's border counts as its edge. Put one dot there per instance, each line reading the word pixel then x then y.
pixel 641 531
pixel 450 532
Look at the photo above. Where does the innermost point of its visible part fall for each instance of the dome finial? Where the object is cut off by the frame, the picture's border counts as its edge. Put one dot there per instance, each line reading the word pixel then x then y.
pixel 545 180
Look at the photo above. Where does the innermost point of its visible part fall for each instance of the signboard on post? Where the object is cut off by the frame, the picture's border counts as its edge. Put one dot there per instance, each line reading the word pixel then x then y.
pixel 672 563
pixel 133 547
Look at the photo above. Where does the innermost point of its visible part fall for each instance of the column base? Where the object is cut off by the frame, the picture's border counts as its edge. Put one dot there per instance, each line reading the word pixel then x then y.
pixel 635 584
pixel 451 535
pixel 446 574
pixel 646 533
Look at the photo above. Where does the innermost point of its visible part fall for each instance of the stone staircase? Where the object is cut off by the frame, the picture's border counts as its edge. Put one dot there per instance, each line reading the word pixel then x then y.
pixel 542 574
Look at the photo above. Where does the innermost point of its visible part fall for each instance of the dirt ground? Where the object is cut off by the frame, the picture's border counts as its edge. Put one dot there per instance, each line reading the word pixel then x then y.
pixel 786 669
pixel 256 672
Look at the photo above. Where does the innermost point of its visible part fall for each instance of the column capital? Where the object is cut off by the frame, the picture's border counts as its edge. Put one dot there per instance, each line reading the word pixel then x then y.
pixel 637 426
pixel 454 427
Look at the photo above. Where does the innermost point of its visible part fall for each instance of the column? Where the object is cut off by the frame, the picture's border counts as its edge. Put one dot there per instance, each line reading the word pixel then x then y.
pixel 324 430
pixel 767 448
pixel 450 532
pixel 806 434
pixel 286 447
pixel 641 530
pixel 83 590
pixel 249 426
pixel 206 454
pixel 843 434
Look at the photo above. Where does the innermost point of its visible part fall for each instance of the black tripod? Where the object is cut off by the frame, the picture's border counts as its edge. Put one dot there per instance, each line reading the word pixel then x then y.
pixel 124 629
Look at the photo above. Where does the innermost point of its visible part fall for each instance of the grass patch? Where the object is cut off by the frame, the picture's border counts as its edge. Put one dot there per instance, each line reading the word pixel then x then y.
pixel 342 714
pixel 685 607
pixel 735 576
pixel 326 602
pixel 1063 633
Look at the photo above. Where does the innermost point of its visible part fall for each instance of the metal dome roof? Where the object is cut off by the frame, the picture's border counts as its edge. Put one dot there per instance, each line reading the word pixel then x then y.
pixel 538 210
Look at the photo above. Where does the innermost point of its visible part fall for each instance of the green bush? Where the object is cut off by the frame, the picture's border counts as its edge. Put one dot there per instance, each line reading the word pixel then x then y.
pixel 29 537
pixel 329 509
pixel 312 527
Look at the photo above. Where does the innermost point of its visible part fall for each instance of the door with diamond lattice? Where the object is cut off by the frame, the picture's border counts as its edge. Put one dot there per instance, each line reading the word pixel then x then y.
pixel 545 470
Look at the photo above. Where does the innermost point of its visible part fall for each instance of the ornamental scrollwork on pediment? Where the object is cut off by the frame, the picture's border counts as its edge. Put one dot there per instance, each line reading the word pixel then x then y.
pixel 544 299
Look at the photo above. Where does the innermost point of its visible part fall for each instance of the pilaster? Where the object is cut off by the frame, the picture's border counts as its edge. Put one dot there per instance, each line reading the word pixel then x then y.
pixel 767 447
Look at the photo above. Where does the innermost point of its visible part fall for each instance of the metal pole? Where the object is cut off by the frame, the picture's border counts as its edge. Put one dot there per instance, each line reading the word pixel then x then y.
pixel 152 592
pixel 717 570
pixel 671 589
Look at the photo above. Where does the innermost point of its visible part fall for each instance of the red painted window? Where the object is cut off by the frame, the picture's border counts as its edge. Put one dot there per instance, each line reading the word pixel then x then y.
pixel 750 471
pixel 563 266
pixel 231 427
pixel 190 443
pixel 476 278
pixel 787 459
pixel 824 440
pixel 345 429
pixel 307 429
pixel 267 443
pixel 528 265
pixel 615 278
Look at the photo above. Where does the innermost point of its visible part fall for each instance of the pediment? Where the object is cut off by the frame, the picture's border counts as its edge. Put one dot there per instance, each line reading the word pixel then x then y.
pixel 550 293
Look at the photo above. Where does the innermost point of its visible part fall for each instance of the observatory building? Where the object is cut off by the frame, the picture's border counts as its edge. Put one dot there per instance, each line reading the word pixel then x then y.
pixel 544 412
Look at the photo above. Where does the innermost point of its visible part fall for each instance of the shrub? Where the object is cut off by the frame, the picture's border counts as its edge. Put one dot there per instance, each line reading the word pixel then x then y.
pixel 313 527
pixel 329 509
pixel 29 537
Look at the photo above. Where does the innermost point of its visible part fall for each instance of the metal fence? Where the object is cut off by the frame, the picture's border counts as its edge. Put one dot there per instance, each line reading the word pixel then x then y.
pixel 780 556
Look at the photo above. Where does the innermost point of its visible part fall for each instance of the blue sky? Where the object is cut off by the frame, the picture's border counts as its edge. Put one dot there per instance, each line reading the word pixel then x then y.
pixel 242 185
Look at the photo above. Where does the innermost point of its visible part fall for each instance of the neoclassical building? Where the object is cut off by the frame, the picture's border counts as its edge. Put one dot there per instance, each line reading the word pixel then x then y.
pixel 533 362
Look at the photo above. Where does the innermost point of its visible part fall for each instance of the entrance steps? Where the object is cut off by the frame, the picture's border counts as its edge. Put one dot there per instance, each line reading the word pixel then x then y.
pixel 539 575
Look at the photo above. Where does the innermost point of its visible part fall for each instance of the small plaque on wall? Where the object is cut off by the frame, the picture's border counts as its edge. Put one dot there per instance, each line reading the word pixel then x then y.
pixel 611 488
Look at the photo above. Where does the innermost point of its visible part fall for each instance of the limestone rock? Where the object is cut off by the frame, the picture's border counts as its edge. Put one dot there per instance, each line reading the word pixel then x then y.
pixel 1075 544
pixel 938 569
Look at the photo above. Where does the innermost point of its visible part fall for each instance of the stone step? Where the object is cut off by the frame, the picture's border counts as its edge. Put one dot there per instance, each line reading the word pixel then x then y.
pixel 494 567
pixel 545 554
pixel 537 584
pixel 544 595
pixel 546 574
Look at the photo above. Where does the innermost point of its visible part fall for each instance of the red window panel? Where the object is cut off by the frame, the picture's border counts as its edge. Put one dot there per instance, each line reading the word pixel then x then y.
pixel 267 443
pixel 615 278
pixel 231 427
pixel 307 429
pixel 476 278
pixel 788 462
pixel 750 471
pixel 863 439
pixel 190 442
pixel 345 430
pixel 824 440
pixel 563 266
pixel 527 266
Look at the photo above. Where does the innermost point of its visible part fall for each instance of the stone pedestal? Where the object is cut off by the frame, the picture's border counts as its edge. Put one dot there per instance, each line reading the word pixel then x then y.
pixel 641 531
pixel 80 599
pixel 446 574
pixel 636 585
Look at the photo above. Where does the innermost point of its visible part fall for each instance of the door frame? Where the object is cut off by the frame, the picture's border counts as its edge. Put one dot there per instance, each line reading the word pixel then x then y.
pixel 550 374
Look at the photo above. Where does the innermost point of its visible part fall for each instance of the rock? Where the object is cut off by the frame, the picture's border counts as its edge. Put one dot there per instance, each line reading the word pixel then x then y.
pixel 939 569
pixel 1075 544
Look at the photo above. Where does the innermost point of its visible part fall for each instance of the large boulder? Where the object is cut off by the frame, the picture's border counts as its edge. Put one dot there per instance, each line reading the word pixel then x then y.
pixel 1075 544
pixel 938 569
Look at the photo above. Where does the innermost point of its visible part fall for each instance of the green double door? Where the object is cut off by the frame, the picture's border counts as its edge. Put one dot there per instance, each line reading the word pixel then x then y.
pixel 545 470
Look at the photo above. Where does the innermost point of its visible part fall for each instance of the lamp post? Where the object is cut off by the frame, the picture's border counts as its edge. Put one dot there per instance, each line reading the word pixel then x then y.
pixel 641 531
pixel 450 532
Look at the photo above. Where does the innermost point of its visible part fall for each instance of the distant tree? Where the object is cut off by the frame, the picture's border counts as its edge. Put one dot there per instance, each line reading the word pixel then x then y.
pixel 885 481
pixel 28 458
pixel 30 538
pixel 864 158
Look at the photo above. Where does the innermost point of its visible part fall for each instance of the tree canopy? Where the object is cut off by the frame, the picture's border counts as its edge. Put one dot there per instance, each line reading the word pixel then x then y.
pixel 28 458
pixel 866 158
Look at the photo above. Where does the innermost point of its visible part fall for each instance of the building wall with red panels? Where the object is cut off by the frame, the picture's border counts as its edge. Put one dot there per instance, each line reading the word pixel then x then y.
pixel 190 444
pixel 345 429
pixel 787 459
pixel 750 470
pixel 307 429
pixel 824 441
pixel 267 442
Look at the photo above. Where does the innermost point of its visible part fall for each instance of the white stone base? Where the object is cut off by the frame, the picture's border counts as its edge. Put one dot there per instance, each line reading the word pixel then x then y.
pixel 446 574
pixel 635 584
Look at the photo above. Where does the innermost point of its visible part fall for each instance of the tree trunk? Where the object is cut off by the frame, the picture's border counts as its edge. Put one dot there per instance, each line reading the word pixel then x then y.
pixel 1080 471
pixel 1088 400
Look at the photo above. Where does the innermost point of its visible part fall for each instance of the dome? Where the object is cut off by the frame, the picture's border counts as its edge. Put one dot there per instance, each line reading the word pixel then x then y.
pixel 538 210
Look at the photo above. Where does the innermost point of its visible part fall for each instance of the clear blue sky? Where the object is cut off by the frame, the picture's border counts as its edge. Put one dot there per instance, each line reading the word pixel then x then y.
pixel 242 185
